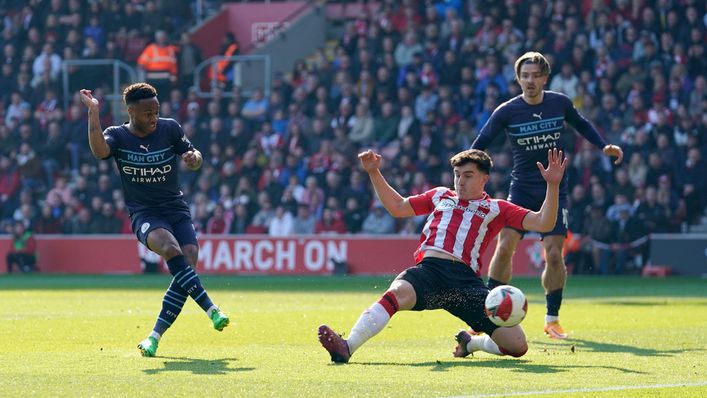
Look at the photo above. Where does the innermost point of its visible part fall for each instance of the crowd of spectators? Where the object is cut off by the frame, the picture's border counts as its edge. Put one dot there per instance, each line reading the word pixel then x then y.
pixel 416 80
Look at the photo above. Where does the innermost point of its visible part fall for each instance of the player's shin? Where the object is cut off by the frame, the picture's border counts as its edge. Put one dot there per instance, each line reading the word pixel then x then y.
pixel 172 305
pixel 553 301
pixel 188 279
pixel 372 321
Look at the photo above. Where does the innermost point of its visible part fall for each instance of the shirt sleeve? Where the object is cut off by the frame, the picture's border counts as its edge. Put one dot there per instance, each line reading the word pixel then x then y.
pixel 513 214
pixel 111 140
pixel 182 143
pixel 491 129
pixel 582 125
pixel 423 203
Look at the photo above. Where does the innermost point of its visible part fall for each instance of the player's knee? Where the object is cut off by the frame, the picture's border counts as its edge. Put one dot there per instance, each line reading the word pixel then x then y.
pixel 553 256
pixel 191 253
pixel 518 352
pixel 505 249
pixel 166 249
pixel 515 348
pixel 405 295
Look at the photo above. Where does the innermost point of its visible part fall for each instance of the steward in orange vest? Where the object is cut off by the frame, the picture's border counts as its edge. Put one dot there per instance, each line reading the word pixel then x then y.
pixel 159 59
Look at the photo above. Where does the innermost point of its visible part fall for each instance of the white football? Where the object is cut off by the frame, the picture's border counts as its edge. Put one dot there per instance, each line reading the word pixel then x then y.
pixel 506 305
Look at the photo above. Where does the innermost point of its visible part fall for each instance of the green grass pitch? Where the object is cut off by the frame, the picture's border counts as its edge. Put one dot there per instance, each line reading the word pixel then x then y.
pixel 76 336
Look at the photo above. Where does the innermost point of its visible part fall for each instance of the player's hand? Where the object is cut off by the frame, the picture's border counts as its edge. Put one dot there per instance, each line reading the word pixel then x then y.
pixel 615 151
pixel 555 167
pixel 192 159
pixel 370 160
pixel 88 100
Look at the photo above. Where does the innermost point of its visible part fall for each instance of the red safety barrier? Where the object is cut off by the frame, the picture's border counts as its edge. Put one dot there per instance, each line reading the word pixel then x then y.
pixel 253 254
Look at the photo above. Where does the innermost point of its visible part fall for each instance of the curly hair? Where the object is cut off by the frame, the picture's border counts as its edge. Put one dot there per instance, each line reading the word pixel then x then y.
pixel 138 91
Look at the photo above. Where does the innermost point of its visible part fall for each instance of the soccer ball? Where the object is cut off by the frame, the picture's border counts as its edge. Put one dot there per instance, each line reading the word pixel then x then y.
pixel 506 305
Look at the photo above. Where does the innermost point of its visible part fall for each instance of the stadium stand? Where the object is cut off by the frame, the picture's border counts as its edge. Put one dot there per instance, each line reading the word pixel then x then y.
pixel 414 79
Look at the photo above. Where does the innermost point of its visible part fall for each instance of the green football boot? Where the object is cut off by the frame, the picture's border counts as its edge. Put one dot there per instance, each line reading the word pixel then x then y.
pixel 148 347
pixel 219 319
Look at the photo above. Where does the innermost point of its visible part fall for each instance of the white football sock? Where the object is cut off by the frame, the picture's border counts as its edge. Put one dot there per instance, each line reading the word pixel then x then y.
pixel 551 318
pixel 156 335
pixel 371 321
pixel 483 343
pixel 211 310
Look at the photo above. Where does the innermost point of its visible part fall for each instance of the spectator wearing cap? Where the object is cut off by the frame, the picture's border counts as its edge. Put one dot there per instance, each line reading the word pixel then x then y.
pixel 378 221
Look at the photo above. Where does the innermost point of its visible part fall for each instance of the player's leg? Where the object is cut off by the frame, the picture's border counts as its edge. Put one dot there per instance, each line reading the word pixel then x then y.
pixel 469 307
pixel 399 296
pixel 553 280
pixel 181 264
pixel 501 268
pixel 219 319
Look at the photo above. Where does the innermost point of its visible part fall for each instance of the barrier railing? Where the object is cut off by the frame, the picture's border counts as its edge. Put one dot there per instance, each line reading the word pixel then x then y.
pixel 249 72
pixel 116 95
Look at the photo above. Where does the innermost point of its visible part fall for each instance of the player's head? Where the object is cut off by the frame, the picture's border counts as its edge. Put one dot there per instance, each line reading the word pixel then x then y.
pixel 143 106
pixel 471 172
pixel 532 72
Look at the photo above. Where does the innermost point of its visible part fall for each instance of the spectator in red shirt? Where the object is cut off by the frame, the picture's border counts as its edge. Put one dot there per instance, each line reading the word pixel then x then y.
pixel 219 222
pixel 329 224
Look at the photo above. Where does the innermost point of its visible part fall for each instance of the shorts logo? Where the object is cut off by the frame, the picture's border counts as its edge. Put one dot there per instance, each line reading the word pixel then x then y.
pixel 144 227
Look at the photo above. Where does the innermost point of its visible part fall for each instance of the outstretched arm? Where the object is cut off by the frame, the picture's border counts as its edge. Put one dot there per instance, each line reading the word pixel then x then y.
pixel 544 219
pixel 396 205
pixel 98 144
pixel 585 128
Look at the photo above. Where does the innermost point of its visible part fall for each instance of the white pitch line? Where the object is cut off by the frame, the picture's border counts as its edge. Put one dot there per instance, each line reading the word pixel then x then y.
pixel 576 390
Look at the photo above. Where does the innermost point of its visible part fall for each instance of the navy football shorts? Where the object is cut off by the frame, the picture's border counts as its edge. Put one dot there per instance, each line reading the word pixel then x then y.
pixel 532 198
pixel 452 286
pixel 177 222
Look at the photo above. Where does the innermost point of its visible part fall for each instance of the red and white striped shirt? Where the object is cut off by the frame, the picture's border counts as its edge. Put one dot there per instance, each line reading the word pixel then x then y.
pixel 462 228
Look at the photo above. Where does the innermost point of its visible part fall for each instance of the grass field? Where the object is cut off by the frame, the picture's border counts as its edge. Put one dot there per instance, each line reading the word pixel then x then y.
pixel 76 336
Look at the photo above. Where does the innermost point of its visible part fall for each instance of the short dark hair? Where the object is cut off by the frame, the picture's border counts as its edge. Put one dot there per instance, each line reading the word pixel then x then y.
pixel 533 57
pixel 138 91
pixel 480 158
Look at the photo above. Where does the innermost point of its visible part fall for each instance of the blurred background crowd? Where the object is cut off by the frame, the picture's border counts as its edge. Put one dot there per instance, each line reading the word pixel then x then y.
pixel 415 80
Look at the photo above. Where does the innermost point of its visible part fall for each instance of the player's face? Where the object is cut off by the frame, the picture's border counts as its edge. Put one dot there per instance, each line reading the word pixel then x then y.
pixel 469 181
pixel 531 80
pixel 145 114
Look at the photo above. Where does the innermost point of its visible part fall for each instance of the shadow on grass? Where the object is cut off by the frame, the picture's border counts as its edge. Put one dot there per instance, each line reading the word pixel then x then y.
pixel 197 366
pixel 597 346
pixel 514 365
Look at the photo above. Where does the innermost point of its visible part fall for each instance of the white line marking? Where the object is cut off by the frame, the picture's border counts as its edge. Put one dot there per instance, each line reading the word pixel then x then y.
pixel 575 390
